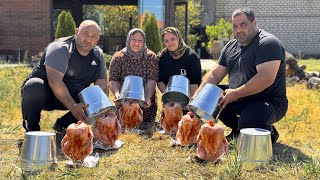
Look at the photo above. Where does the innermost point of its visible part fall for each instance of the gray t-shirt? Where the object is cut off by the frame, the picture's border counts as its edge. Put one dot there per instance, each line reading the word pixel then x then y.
pixel 57 57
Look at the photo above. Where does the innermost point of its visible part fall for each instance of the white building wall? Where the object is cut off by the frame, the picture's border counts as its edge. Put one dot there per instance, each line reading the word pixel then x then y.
pixel 295 22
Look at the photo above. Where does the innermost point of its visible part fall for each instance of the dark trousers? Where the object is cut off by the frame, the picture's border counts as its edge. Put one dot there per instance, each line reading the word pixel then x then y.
pixel 38 96
pixel 254 113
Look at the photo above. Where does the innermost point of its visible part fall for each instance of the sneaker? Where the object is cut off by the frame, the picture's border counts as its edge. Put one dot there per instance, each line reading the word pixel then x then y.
pixel 233 135
pixel 274 135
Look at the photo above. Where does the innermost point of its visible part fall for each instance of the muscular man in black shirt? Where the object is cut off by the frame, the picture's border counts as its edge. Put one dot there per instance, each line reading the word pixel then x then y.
pixel 254 63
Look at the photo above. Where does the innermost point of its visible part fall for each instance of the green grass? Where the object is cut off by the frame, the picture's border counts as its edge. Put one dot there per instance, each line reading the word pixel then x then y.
pixel 150 156
pixel 312 64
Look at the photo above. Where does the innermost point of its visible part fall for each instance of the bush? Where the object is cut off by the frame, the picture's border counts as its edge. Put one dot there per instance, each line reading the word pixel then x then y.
pixel 152 34
pixel 107 59
pixel 221 31
pixel 66 25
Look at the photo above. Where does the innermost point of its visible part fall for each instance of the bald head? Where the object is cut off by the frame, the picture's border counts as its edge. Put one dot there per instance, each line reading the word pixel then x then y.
pixel 87 36
pixel 87 23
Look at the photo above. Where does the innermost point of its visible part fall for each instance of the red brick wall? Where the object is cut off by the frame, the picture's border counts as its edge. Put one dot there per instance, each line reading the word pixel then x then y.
pixel 25 24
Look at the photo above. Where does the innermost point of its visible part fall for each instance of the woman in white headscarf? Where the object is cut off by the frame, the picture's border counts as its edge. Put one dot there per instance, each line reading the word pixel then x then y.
pixel 137 60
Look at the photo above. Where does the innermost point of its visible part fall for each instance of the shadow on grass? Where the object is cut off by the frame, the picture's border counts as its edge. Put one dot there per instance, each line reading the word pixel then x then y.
pixel 288 154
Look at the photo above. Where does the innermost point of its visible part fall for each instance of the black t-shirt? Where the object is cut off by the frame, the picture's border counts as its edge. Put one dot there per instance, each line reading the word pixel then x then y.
pixel 241 62
pixel 187 65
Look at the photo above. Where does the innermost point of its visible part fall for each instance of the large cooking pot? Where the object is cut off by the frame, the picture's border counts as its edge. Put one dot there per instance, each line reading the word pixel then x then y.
pixel 133 88
pixel 38 150
pixel 98 102
pixel 177 90
pixel 205 104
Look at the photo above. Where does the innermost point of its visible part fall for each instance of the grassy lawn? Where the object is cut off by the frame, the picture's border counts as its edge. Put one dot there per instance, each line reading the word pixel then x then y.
pixel 312 64
pixel 150 156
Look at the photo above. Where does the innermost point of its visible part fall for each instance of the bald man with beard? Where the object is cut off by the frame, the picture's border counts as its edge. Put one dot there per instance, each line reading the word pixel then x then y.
pixel 69 65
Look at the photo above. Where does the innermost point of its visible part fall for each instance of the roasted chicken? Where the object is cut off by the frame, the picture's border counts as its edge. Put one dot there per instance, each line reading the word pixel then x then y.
pixel 211 142
pixel 170 117
pixel 106 129
pixel 77 143
pixel 188 129
pixel 130 114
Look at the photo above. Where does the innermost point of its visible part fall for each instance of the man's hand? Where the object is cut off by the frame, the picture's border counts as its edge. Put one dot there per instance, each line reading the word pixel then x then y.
pixel 77 111
pixel 230 95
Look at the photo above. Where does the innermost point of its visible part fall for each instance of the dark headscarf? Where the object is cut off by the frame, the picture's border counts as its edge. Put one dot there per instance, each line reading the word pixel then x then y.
pixel 181 47
pixel 128 51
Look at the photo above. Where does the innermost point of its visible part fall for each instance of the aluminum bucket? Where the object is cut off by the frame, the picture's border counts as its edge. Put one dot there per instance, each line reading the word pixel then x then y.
pixel 177 90
pixel 98 102
pixel 133 88
pixel 205 104
pixel 254 146
pixel 38 150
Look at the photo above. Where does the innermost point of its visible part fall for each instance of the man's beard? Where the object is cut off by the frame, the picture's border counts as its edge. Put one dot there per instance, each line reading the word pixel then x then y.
pixel 83 47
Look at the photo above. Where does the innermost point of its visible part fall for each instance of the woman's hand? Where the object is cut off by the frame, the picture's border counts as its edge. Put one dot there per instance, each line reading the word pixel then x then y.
pixel 148 103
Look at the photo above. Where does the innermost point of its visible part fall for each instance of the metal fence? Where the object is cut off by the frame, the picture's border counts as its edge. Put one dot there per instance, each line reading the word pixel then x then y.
pixel 112 44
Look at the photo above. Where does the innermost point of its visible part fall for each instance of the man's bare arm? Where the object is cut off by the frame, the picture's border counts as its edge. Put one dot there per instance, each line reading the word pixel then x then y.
pixel 266 74
pixel 60 90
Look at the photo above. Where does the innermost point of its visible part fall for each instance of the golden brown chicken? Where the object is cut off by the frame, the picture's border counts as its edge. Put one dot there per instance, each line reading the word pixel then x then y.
pixel 170 117
pixel 77 143
pixel 106 129
pixel 212 144
pixel 188 129
pixel 130 114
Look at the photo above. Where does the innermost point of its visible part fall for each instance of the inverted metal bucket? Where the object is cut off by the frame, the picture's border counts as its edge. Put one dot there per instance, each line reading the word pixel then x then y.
pixel 205 104
pixel 133 88
pixel 254 145
pixel 38 150
pixel 177 90
pixel 98 102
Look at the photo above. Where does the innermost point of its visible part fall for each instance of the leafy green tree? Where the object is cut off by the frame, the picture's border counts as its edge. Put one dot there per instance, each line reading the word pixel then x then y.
pixel 194 10
pixel 152 33
pixel 66 25
pixel 91 12
pixel 221 31
pixel 116 19
pixel 144 18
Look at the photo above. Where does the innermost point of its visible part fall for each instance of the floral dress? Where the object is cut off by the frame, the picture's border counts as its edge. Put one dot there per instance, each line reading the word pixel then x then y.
pixel 122 66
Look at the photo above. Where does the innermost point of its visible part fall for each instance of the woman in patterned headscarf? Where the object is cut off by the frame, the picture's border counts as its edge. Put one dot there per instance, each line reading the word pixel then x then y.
pixel 178 59
pixel 137 60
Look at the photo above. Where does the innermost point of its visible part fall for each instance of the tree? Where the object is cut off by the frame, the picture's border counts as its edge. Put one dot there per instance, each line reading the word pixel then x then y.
pixel 221 31
pixel 152 33
pixel 144 18
pixel 194 10
pixel 218 35
pixel 116 19
pixel 91 12
pixel 66 25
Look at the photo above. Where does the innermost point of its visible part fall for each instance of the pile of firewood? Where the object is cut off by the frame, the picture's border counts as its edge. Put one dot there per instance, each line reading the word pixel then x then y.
pixel 296 73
